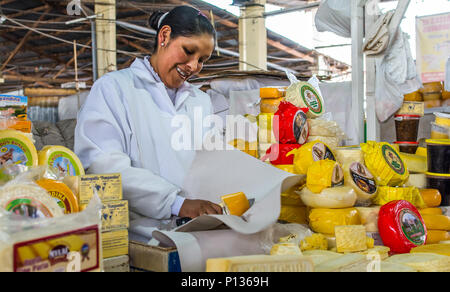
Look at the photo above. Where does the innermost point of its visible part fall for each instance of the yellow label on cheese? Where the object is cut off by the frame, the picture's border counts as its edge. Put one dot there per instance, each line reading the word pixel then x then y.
pixel 17 148
pixel 61 193
pixel 61 159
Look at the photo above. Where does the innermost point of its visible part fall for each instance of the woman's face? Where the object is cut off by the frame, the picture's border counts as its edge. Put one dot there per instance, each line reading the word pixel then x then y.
pixel 182 57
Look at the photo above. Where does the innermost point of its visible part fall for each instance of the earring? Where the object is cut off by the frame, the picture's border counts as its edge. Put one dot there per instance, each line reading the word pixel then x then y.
pixel 162 44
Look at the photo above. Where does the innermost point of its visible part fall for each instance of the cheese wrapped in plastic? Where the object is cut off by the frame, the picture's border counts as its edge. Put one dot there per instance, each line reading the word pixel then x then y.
pixel 331 198
pixel 332 142
pixel 286 167
pixel 325 128
pixel 357 176
pixel 303 94
pixel 287 248
pixel 431 211
pixel 436 222
pixel 17 148
pixel 385 163
pixel 322 220
pixel 265 129
pixel 272 92
pixel 308 153
pixel 61 193
pixel 292 124
pixel 414 163
pixel 348 155
pixel 270 105
pixel 291 197
pixel 62 159
pixel 431 197
pixel 324 174
pixel 437 236
pixel 388 194
pixel 279 154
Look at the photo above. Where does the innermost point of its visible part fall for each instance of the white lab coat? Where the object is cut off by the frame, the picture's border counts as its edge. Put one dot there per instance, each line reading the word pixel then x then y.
pixel 125 126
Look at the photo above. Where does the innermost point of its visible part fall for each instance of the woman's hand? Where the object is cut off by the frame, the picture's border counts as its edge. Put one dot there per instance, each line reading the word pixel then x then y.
pixel 195 208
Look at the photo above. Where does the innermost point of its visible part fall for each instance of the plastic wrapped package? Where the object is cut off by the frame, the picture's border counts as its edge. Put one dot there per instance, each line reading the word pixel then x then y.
pixel 70 243
pixel 323 220
pixel 332 142
pixel 324 174
pixel 310 152
pixel 305 95
pixel 387 194
pixel 334 16
pixel 277 232
pixel 292 124
pixel 17 148
pixel 332 198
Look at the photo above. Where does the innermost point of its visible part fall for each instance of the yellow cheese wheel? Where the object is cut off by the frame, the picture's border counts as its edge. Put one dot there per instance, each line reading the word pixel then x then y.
pixel 323 174
pixel 308 153
pixel 385 163
pixel 436 222
pixel 388 194
pixel 430 211
pixel 357 176
pixel 332 198
pixel 324 220
pixel 17 148
pixel 442 249
pixel 272 92
pixel 431 197
pixel 62 194
pixel 436 236
pixel 270 105
pixel 431 87
pixel 62 159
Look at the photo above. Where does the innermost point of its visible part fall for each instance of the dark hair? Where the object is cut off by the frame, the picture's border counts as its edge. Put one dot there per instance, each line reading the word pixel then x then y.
pixel 184 21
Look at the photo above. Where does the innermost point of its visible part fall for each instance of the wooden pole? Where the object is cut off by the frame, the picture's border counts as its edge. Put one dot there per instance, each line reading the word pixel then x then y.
pixel 106 36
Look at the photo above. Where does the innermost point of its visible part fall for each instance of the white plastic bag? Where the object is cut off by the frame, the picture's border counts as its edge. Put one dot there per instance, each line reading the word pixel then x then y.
pixel 447 75
pixel 334 16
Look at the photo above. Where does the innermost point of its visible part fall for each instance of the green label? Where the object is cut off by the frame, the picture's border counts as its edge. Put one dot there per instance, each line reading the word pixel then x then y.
pixel 311 99
pixel 393 159
pixel 412 227
pixel 14 151
pixel 28 207
pixel 64 163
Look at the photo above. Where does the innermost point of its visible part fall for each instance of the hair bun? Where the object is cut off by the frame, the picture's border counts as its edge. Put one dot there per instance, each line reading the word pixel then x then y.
pixel 154 19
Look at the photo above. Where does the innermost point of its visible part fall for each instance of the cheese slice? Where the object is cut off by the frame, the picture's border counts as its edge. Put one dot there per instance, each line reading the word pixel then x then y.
pixel 350 238
pixel 414 163
pixel 423 262
pixel 61 159
pixel 261 263
pixel 369 217
pixel 235 204
pixel 315 241
pixel 62 194
pixel 287 248
pixel 331 198
pixel 437 236
pixel 324 174
pixel 436 222
pixel 17 148
pixel 29 200
pixel 348 262
pixel 322 220
pixel 442 249
pixel 380 250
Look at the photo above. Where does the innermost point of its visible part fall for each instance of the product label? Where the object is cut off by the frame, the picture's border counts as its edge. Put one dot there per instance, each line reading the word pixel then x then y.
pixel 393 159
pixel 311 99
pixel 322 152
pixel 337 178
pixel 64 163
pixel 74 251
pixel 301 127
pixel 13 151
pixel 108 187
pixel 28 207
pixel 62 201
pixel 412 227
pixel 363 178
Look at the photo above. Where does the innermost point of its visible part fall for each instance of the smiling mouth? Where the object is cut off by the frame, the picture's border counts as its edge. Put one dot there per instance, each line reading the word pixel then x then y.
pixel 184 75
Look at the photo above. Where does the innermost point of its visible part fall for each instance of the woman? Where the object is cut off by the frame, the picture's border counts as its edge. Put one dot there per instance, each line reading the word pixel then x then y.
pixel 125 124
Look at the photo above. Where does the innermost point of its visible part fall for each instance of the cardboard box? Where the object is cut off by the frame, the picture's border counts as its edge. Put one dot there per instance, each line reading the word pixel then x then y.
pixel 119 264
pixel 115 215
pixel 115 243
pixel 147 258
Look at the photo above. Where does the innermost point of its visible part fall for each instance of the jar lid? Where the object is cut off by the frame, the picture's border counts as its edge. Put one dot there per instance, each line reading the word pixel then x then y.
pixel 409 116
pixel 443 175
pixel 438 141
pixel 407 142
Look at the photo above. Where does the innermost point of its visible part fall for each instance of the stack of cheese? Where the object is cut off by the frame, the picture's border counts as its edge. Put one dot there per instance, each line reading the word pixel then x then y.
pixel 436 222
pixel 328 132
pixel 115 215
pixel 293 210
pixel 440 128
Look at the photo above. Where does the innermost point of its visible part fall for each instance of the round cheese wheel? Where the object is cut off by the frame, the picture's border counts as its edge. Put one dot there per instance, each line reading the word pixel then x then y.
pixel 385 163
pixel 324 174
pixel 292 123
pixel 357 176
pixel 17 148
pixel 303 94
pixel 388 194
pixel 62 194
pixel 30 201
pixel 401 226
pixel 61 159
pixel 310 152
pixel 332 198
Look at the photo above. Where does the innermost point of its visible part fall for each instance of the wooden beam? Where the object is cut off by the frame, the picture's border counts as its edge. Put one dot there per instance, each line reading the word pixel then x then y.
pixel 290 51
pixel 134 45
pixel 28 11
pixel 81 51
pixel 23 41
pixel 106 37
pixel 23 78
